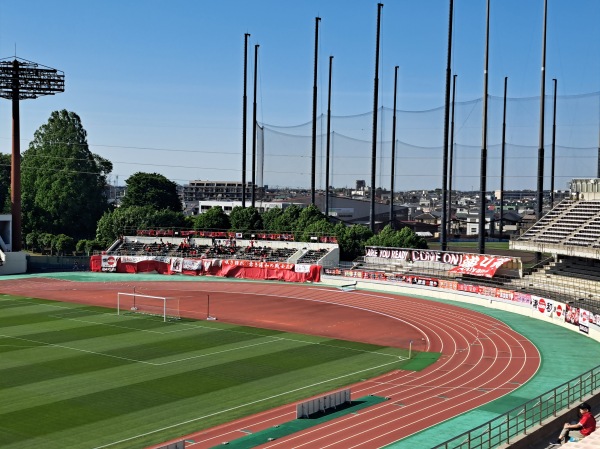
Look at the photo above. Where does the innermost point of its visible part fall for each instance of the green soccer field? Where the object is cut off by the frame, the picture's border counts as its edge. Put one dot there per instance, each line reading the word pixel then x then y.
pixel 73 376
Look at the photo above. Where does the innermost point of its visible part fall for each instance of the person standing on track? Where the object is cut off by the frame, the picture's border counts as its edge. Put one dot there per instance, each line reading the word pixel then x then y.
pixel 585 426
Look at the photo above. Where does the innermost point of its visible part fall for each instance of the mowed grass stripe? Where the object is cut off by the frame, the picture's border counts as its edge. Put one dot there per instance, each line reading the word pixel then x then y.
pixel 66 364
pixel 47 390
pixel 19 425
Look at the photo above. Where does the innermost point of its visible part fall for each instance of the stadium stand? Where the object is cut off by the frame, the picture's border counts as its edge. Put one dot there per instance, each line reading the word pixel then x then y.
pixel 570 235
pixel 277 247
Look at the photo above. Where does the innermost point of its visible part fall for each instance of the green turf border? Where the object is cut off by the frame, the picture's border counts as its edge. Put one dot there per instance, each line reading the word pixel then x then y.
pixel 297 425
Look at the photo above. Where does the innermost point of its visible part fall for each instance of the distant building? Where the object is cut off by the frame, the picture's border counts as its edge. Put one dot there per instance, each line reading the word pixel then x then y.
pixel 215 191
pixel 227 206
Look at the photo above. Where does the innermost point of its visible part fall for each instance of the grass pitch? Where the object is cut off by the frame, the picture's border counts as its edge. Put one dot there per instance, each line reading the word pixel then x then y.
pixel 73 376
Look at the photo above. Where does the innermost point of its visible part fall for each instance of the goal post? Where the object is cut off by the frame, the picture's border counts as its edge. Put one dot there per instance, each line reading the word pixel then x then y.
pixel 167 308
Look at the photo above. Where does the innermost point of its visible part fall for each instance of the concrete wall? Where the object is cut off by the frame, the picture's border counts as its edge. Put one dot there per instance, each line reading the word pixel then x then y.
pixel 452 295
pixel 15 263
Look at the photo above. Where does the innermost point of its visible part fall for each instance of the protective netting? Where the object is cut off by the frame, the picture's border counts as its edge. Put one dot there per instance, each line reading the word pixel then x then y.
pixel 419 140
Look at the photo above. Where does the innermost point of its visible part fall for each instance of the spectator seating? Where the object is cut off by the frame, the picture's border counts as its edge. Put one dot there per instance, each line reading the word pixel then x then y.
pixel 570 223
pixel 312 256
pixel 219 248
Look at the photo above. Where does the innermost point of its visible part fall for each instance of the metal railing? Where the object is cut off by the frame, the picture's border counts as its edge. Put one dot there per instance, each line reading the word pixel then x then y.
pixel 514 424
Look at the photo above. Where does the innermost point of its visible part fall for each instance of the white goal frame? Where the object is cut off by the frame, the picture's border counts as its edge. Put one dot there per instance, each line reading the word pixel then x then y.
pixel 167 308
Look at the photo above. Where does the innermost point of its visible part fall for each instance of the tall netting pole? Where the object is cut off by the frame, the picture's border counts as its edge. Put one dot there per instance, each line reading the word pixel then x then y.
pixel 375 106
pixel 244 119
pixel 314 118
pixel 483 169
pixel 540 168
pixel 443 236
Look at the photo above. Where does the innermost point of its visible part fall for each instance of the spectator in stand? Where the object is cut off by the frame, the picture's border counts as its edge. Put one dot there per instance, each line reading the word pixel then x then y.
pixel 585 426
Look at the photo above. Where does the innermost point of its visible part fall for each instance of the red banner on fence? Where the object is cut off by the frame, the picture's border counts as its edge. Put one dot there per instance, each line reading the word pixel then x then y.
pixel 477 265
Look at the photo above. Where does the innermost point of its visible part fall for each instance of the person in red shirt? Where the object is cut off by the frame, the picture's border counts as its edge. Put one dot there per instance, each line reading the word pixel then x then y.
pixel 585 425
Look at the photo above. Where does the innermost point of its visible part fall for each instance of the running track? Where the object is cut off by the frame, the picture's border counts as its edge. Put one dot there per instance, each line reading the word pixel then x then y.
pixel 482 358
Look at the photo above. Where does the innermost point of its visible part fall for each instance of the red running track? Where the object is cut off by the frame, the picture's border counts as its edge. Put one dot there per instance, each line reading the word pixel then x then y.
pixel 482 358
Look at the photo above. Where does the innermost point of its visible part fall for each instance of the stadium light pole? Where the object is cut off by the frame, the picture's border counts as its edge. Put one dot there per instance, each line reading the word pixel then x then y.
pixel 21 80
pixel 393 164
pixel 443 236
pixel 328 140
pixel 375 106
pixel 314 117
pixel 483 172
pixel 244 119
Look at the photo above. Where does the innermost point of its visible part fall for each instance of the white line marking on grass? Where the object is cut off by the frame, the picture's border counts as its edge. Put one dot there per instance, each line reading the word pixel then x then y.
pixel 241 406
pixel 43 343
pixel 237 348
pixel 20 301
pixel 19 346
pixel 64 317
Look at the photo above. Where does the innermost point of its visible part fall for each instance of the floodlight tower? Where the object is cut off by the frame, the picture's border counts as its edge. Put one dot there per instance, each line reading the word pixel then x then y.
pixel 22 80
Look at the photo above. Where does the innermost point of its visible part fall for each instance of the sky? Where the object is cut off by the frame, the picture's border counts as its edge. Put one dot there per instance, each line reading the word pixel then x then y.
pixel 159 84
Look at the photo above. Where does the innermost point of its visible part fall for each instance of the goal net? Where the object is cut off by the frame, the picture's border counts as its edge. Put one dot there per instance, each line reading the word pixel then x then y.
pixel 167 308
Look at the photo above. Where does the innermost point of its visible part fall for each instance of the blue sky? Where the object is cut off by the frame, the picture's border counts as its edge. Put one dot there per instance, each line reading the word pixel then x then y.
pixel 158 84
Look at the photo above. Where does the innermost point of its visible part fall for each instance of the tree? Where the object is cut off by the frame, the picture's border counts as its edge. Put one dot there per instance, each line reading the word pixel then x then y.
pixel 286 222
pixel 5 161
pixel 151 189
pixel 87 246
pixel 387 237
pixel 32 240
pixel 243 219
pixel 270 217
pixel 62 182
pixel 125 220
pixel 309 215
pixel 64 244
pixel 46 242
pixel 404 238
pixel 317 228
pixel 213 218
pixel 411 240
pixel 351 240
